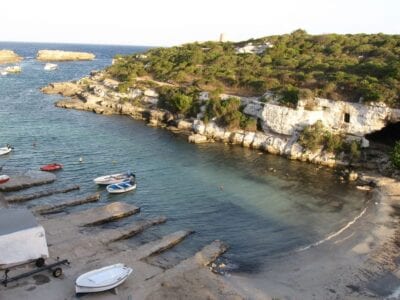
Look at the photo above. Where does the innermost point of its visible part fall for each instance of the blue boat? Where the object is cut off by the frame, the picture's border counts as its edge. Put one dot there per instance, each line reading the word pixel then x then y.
pixel 125 186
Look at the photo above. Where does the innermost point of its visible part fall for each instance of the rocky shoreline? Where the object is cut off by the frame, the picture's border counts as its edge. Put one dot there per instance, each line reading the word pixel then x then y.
pixel 100 96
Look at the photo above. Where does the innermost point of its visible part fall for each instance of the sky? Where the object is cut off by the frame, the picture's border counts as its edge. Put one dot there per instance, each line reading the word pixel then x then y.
pixel 173 22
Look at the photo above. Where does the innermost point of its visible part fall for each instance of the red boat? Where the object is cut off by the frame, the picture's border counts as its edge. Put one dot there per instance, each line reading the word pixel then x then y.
pixel 51 167
pixel 4 178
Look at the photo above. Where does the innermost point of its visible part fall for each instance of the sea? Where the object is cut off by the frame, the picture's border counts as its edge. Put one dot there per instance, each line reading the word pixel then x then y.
pixel 263 206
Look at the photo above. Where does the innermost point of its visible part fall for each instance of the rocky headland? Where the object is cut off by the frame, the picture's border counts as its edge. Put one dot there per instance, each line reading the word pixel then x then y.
pixel 9 56
pixel 59 55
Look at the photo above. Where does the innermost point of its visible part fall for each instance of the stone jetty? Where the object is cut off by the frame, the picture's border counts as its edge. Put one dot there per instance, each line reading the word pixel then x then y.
pixel 40 194
pixel 50 208
pixel 77 236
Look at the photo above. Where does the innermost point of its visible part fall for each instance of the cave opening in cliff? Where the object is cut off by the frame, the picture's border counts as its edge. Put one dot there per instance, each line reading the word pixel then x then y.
pixel 388 135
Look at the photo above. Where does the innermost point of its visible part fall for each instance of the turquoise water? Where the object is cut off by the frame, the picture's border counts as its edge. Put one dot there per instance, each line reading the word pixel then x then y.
pixel 220 191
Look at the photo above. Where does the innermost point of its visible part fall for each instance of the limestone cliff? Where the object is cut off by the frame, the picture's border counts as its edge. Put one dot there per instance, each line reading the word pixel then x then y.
pixel 59 55
pixel 9 56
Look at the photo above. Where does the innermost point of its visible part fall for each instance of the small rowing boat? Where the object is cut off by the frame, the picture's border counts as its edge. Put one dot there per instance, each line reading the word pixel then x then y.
pixel 50 67
pixel 51 167
pixel 102 279
pixel 4 178
pixel 6 149
pixel 122 187
pixel 113 178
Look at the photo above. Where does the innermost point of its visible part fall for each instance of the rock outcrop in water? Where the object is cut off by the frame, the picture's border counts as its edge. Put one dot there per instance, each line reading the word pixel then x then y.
pixel 59 55
pixel 9 56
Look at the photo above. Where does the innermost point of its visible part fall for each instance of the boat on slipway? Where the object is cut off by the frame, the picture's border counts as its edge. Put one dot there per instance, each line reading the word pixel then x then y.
pixel 102 279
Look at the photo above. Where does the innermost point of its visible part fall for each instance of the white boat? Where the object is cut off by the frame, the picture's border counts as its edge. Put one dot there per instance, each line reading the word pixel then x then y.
pixel 102 279
pixel 50 67
pixel 122 187
pixel 113 178
pixel 4 178
pixel 5 150
pixel 13 69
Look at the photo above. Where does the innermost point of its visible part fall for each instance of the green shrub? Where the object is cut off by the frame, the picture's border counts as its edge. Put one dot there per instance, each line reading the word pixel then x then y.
pixel 313 136
pixel 248 123
pixel 289 96
pixel 174 100
pixel 334 143
pixel 316 136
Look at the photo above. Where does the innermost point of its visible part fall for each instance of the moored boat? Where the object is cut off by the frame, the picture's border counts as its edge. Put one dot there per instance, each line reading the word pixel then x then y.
pixel 6 149
pixel 50 67
pixel 102 279
pixel 51 167
pixel 113 178
pixel 122 187
pixel 4 178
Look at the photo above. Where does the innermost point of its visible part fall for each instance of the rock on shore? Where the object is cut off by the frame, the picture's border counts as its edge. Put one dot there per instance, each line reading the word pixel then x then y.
pixel 9 56
pixel 59 55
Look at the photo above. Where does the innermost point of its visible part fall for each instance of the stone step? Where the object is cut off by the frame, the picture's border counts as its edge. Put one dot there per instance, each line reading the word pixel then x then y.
pixel 160 245
pixel 49 208
pixel 113 235
pixel 27 197
pixel 26 180
pixel 102 214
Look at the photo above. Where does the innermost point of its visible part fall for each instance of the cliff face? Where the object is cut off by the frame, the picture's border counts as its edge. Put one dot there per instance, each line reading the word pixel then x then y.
pixel 9 56
pixel 342 117
pixel 58 55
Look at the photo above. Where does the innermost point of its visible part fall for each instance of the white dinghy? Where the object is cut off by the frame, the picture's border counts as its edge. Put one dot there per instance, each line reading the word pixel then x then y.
pixel 102 279
pixel 50 67
pixel 113 178
pixel 5 150
pixel 122 187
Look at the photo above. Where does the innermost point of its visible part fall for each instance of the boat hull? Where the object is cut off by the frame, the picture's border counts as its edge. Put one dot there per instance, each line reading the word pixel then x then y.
pixel 4 178
pixel 112 179
pixel 5 150
pixel 120 191
pixel 51 167
pixel 102 279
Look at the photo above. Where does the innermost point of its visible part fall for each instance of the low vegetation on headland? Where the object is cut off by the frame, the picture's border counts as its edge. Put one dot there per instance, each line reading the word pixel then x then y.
pixel 352 68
